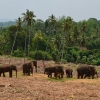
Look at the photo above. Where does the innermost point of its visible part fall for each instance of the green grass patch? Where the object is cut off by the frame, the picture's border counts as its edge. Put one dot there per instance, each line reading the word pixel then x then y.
pixel 62 79
pixel 19 75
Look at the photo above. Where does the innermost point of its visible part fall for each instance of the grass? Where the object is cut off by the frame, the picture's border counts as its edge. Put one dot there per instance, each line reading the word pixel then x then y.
pixel 62 79
pixel 19 75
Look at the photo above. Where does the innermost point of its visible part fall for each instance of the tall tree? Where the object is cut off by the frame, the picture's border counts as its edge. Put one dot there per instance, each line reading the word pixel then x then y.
pixel 18 25
pixel 83 29
pixel 52 22
pixel 66 26
pixel 28 19
pixel 75 34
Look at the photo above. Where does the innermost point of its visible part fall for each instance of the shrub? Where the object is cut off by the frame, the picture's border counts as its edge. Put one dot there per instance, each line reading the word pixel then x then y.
pixel 1 53
pixel 18 53
pixel 69 58
pixel 63 61
pixel 40 55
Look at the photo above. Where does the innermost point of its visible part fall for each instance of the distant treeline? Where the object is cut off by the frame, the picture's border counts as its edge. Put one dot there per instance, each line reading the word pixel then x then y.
pixel 7 24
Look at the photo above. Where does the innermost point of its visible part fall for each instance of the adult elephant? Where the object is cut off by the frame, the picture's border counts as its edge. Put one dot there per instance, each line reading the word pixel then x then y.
pixel 85 70
pixel 27 68
pixel 57 70
pixel 49 71
pixel 8 68
pixel 69 72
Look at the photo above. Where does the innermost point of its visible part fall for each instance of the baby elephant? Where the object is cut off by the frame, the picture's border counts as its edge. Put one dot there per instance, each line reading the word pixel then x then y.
pixel 69 72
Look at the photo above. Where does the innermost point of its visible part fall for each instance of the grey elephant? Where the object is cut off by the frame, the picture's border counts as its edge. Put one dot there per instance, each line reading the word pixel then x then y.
pixel 69 72
pixel 57 70
pixel 85 70
pixel 8 68
pixel 27 68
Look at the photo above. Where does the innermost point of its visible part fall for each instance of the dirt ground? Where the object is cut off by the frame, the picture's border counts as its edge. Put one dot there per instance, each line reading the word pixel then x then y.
pixel 39 87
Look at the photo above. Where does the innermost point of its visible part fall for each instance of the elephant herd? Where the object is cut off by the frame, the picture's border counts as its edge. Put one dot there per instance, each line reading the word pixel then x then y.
pixel 58 71
pixel 83 71
pixel 27 68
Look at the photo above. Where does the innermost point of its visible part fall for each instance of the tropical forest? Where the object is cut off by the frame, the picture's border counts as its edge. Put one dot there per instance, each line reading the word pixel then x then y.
pixel 58 39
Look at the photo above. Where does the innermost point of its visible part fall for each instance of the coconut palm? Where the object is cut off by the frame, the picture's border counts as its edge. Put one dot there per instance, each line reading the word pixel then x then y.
pixel 18 25
pixel 76 34
pixel 67 24
pixel 28 19
pixel 83 29
pixel 52 22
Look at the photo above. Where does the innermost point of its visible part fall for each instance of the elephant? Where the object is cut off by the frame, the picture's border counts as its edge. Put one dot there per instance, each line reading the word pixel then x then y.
pixel 8 68
pixel 57 70
pixel 69 72
pixel 85 70
pixel 27 68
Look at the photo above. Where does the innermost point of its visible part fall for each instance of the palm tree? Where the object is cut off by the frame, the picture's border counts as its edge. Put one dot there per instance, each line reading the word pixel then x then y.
pixel 76 34
pixel 67 24
pixel 18 25
pixel 52 22
pixel 83 29
pixel 28 19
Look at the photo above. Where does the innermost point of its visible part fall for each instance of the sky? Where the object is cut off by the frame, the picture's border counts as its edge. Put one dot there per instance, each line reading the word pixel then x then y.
pixel 77 9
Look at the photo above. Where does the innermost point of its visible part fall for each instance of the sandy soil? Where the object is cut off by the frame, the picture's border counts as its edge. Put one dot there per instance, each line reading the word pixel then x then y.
pixel 38 87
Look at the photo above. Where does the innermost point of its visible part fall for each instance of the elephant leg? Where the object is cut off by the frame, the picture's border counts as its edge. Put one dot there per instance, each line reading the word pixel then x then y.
pixel 10 73
pixel 3 74
pixel 71 75
pixel 49 75
pixel 92 76
pixel 78 75
pixel 36 69
pixel 85 76
pixel 29 72
pixel 82 76
pixel 23 71
pixel 61 75
pixel 66 76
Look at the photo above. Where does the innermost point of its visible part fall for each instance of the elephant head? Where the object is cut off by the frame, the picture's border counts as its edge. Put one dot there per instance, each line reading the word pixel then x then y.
pixel 93 71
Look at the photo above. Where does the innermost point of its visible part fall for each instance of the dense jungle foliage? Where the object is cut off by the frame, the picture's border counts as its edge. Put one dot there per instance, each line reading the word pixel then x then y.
pixel 59 39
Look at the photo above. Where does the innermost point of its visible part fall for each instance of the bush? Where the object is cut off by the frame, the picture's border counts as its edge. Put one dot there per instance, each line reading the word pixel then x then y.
pixel 96 62
pixel 69 58
pixel 1 53
pixel 40 55
pixel 63 61
pixel 18 53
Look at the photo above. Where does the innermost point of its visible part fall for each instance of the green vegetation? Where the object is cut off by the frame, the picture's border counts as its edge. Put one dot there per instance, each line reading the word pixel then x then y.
pixel 59 39
pixel 61 80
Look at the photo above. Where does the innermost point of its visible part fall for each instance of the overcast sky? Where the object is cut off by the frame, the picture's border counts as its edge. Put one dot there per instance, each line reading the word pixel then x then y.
pixel 77 9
